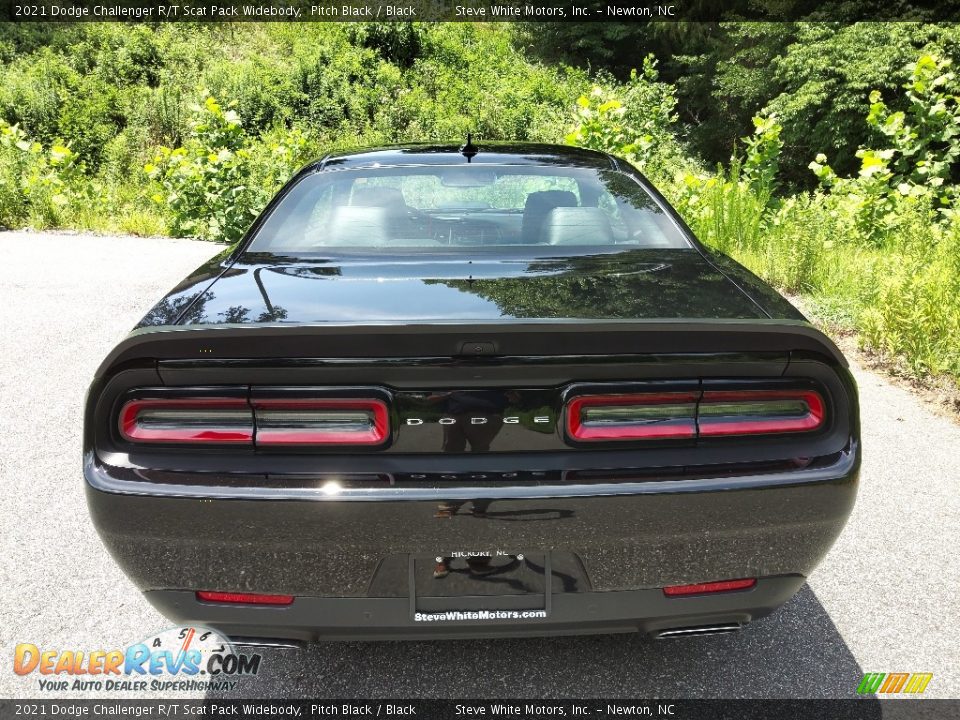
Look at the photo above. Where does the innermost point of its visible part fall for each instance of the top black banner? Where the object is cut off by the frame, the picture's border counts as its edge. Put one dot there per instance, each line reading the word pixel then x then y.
pixel 40 11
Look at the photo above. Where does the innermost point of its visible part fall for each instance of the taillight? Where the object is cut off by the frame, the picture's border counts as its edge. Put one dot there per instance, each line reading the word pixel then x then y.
pixel 689 415
pixel 653 416
pixel 266 421
pixel 328 421
pixel 757 412
pixel 243 598
pixel 709 588
pixel 187 420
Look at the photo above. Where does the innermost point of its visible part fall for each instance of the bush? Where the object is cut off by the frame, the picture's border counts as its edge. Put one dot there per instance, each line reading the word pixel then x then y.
pixel 911 313
pixel 220 179
pixel 926 138
pixel 121 93
pixel 634 121
pixel 400 43
pixel 37 184
pixel 728 210
pixel 917 167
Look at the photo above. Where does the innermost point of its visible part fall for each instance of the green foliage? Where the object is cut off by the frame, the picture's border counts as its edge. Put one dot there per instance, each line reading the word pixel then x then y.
pixel 826 75
pixel 729 208
pixel 726 79
pixel 912 312
pixel 400 43
pixel 869 197
pixel 633 121
pixel 37 183
pixel 899 290
pixel 926 138
pixel 763 154
pixel 814 76
pixel 722 208
pixel 121 92
pixel 218 181
pixel 916 169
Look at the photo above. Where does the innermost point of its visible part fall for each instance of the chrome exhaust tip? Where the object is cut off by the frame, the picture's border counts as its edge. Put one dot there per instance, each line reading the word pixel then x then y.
pixel 698 630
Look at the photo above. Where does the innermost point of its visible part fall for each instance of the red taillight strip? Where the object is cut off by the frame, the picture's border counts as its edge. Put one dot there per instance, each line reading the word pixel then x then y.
pixel 756 425
pixel 679 425
pixel 131 429
pixel 710 587
pixel 762 413
pixel 243 598
pixel 376 434
pixel 267 421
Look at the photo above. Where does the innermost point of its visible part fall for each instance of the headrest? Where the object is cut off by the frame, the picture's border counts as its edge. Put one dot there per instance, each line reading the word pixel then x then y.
pixel 577 226
pixel 358 226
pixel 543 200
pixel 387 197
pixel 648 231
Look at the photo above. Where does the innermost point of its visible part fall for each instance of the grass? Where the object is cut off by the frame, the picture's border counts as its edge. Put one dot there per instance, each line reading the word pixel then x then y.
pixel 900 293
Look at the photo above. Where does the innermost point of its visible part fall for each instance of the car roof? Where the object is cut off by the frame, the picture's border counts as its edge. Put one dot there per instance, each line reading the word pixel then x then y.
pixel 488 153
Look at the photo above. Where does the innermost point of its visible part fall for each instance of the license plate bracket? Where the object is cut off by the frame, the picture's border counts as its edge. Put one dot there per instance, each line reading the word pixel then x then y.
pixel 465 581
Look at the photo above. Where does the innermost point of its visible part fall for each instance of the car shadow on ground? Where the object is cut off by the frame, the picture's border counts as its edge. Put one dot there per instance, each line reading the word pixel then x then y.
pixel 796 652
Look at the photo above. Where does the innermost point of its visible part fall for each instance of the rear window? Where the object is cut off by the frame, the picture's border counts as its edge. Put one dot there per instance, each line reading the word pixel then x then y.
pixel 471 206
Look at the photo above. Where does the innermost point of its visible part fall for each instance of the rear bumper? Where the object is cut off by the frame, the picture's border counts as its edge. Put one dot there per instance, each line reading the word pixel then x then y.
pixel 311 619
pixel 348 558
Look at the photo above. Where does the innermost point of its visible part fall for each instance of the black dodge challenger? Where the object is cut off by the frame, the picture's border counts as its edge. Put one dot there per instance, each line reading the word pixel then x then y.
pixel 444 391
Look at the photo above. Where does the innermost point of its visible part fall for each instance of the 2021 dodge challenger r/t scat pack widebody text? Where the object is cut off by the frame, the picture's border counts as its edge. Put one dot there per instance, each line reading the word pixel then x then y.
pixel 444 391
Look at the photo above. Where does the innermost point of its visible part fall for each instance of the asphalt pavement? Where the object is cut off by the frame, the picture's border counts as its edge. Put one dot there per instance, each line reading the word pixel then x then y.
pixel 884 600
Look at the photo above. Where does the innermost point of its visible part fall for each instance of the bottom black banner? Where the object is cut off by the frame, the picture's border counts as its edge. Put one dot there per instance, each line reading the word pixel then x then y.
pixel 674 709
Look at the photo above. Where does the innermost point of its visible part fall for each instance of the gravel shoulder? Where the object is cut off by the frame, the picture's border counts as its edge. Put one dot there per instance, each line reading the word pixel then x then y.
pixel 884 600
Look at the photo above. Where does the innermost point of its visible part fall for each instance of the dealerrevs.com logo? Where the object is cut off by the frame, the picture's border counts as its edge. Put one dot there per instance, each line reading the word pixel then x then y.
pixel 178 659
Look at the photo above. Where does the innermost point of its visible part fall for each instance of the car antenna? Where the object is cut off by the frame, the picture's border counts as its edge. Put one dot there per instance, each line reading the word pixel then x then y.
pixel 469 150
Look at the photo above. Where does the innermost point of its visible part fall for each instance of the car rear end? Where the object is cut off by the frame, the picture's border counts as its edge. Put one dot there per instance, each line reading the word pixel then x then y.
pixel 373 480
